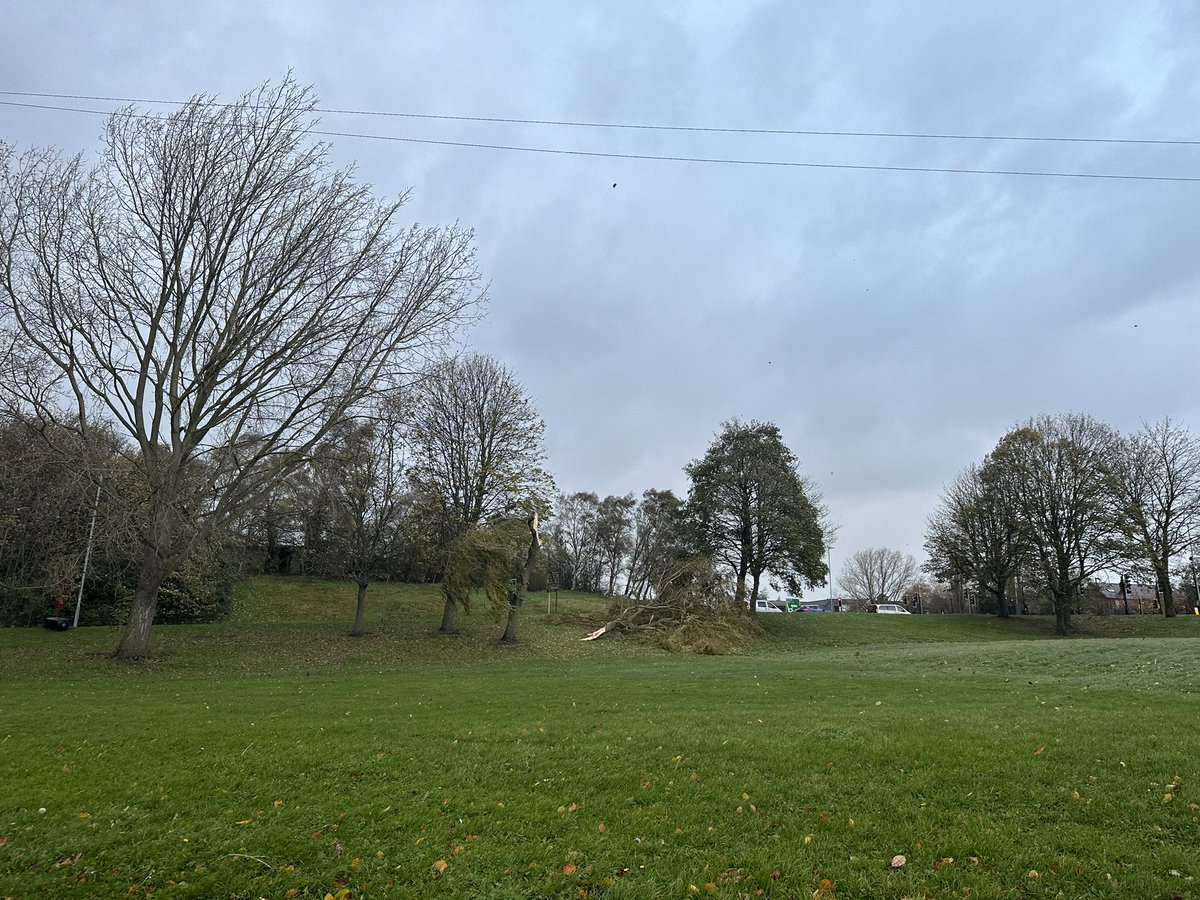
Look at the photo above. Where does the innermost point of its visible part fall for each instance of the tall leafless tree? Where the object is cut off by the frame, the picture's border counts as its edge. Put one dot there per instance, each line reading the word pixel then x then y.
pixel 877 574
pixel 614 533
pixel 577 559
pixel 1158 479
pixel 976 532
pixel 477 445
pixel 222 295
pixel 656 542
pixel 1060 471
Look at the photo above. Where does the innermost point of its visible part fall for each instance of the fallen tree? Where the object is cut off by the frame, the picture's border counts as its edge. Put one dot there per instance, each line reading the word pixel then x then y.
pixel 692 611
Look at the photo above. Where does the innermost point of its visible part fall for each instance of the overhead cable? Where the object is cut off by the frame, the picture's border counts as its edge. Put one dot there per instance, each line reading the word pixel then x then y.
pixel 729 161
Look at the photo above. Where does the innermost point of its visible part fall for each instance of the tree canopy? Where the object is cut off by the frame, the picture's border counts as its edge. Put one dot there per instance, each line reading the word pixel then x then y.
pixel 219 295
pixel 751 510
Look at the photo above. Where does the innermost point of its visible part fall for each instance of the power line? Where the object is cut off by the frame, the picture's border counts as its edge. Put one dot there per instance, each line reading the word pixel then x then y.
pixel 566 123
pixel 597 154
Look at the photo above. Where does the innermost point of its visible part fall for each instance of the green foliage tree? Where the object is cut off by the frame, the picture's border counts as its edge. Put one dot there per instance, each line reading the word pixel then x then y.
pixel 749 508
pixel 358 474
pixel 497 560
pixel 220 296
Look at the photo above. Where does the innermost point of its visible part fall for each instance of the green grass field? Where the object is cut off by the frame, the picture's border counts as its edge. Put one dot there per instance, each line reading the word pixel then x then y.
pixel 274 756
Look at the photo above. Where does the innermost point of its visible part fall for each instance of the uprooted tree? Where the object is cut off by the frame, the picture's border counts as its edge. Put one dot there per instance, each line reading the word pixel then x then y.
pixel 219 295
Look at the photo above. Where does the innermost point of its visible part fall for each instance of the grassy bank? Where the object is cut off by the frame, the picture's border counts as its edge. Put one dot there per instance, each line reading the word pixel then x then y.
pixel 274 756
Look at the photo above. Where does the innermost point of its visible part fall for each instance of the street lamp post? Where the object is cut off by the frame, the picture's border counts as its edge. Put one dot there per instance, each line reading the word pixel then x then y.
pixel 1195 584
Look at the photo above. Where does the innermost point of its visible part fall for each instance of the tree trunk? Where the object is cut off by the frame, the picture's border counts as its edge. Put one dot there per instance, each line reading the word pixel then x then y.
pixel 360 611
pixel 448 626
pixel 135 641
pixel 515 599
pixel 1002 599
pixel 517 596
pixel 1168 598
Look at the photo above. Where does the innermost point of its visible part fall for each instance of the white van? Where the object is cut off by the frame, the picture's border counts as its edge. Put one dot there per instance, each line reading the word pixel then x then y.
pixel 763 605
pixel 894 609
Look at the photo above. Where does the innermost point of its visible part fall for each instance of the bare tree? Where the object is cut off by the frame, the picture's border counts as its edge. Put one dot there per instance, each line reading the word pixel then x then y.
pixel 614 533
pixel 656 541
pixel 576 540
pixel 1060 472
pixel 877 574
pixel 477 444
pixel 976 532
pixel 1158 478
pixel 221 295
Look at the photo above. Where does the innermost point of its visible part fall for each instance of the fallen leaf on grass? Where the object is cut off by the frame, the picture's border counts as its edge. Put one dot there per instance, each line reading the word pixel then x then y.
pixel 942 863
pixel 1039 751
pixel 898 861
pixel 68 861
pixel 568 869
pixel 439 868
pixel 602 828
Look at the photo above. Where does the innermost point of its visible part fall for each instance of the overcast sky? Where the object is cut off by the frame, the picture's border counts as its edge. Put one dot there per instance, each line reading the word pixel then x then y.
pixel 893 324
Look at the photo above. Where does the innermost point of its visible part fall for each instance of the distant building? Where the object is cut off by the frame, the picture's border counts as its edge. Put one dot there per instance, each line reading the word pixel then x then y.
pixel 1142 597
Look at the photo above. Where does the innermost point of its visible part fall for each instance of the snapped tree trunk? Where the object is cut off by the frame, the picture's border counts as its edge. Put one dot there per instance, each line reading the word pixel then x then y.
pixel 517 596
pixel 360 611
pixel 515 599
pixel 135 641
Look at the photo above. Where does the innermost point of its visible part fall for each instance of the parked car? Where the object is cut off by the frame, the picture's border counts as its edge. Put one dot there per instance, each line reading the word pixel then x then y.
pixel 762 605
pixel 893 609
